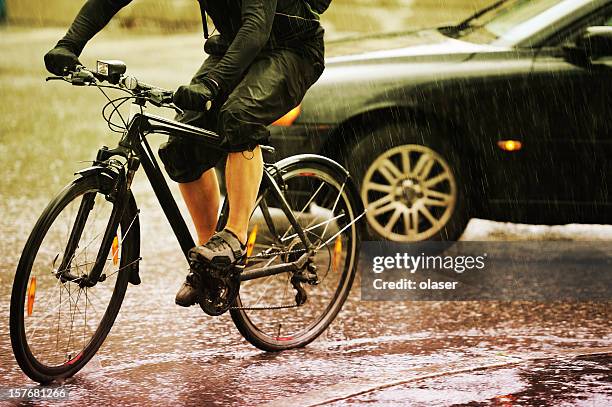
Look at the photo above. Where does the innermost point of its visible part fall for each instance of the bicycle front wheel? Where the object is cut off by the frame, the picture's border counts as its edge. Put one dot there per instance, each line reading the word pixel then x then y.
pixel 57 324
pixel 324 202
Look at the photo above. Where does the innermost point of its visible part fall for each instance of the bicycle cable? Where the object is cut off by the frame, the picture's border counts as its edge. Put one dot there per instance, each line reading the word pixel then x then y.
pixel 111 102
pixel 113 126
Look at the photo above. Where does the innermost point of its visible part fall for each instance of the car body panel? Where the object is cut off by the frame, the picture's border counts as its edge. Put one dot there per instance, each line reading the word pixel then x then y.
pixel 482 94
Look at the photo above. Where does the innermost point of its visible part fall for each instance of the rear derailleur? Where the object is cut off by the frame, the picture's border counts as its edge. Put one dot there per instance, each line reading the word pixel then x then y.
pixel 308 275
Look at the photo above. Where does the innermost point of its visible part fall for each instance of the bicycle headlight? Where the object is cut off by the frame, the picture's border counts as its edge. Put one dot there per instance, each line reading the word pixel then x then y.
pixel 102 68
pixel 111 70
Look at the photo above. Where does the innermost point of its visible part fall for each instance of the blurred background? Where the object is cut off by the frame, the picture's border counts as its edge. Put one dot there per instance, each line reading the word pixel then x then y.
pixel 345 17
pixel 161 42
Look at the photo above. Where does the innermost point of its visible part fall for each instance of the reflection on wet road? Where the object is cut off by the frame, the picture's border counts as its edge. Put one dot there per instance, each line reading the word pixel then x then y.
pixel 158 352
pixel 571 381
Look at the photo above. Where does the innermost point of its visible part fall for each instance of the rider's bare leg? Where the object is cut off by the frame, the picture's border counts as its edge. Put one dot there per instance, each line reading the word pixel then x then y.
pixel 243 173
pixel 202 198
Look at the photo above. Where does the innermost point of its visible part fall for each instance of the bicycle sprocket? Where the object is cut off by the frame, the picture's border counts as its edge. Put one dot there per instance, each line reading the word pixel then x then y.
pixel 219 290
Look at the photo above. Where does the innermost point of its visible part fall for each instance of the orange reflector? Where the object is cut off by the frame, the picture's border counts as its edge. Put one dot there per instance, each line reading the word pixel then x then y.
pixel 510 145
pixel 288 119
pixel 507 400
pixel 251 241
pixel 31 295
pixel 337 254
pixel 115 250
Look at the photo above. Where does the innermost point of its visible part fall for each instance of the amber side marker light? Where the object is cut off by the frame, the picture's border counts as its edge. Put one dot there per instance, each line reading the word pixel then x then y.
pixel 288 119
pixel 251 241
pixel 510 145
pixel 115 250
pixel 337 254
pixel 31 295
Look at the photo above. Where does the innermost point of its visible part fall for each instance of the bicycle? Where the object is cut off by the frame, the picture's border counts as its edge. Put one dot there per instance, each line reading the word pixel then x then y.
pixel 85 248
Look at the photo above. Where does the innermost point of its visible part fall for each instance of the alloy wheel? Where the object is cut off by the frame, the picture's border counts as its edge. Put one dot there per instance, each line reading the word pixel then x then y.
pixel 410 193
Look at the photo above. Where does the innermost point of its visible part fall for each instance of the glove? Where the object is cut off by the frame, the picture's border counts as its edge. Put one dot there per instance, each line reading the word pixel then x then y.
pixel 196 97
pixel 59 60
pixel 216 45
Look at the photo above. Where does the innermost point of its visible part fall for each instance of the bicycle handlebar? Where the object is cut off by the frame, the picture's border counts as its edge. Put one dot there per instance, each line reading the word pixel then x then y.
pixel 157 96
pixel 82 76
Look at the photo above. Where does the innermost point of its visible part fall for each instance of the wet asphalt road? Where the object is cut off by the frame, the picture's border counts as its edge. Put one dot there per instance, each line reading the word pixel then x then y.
pixel 159 353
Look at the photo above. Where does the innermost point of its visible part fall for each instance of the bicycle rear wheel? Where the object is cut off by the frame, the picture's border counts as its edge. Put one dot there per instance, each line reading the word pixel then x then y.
pixel 57 324
pixel 323 200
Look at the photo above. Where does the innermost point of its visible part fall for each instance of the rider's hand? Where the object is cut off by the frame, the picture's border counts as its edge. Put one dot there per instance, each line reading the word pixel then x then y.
pixel 59 60
pixel 196 97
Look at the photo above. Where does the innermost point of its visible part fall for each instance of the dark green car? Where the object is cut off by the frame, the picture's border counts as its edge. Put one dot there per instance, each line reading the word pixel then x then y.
pixel 505 116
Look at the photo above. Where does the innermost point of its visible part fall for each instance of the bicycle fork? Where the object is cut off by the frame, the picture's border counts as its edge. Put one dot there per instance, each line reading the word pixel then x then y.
pixel 117 195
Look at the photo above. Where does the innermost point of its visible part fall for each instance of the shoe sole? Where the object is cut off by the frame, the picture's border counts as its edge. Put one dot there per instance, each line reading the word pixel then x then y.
pixel 184 304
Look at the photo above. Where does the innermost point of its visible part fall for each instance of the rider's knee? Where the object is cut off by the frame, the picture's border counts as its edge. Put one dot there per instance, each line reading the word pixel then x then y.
pixel 241 129
pixel 186 162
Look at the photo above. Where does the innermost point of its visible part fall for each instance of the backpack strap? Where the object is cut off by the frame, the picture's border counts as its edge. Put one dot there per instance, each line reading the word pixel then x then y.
pixel 203 14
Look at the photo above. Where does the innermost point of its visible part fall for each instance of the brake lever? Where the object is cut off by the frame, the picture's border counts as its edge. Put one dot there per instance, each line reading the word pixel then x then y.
pixel 164 99
pixel 82 78
pixel 167 103
pixel 54 78
pixel 177 109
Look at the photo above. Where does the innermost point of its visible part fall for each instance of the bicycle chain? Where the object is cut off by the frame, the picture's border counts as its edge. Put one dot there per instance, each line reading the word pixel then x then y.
pixel 272 254
pixel 266 307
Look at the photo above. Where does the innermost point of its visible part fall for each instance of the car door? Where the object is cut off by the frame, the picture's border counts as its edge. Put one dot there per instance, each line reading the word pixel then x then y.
pixel 573 147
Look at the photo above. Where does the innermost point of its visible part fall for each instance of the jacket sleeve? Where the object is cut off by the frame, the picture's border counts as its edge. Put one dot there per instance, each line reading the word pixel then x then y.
pixel 92 18
pixel 252 36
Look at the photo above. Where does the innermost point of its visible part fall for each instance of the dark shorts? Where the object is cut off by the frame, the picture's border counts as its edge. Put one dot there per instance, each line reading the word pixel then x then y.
pixel 274 84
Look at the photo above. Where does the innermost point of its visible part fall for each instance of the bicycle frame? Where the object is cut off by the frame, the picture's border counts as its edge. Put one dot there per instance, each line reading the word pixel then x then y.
pixel 134 147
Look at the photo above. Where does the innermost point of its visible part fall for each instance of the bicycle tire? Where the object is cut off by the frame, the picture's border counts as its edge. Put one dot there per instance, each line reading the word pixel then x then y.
pixel 33 368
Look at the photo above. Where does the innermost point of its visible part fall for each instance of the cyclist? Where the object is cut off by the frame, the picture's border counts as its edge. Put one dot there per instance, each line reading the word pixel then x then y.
pixel 266 56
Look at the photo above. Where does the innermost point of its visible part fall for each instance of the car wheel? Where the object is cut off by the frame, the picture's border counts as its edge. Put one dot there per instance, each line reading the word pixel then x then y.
pixel 410 181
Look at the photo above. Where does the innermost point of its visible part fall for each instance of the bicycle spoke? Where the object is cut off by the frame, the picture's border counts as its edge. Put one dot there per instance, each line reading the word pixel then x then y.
pixel 278 321
pixel 315 226
pixel 344 228
pixel 34 328
pixel 265 290
pixel 304 208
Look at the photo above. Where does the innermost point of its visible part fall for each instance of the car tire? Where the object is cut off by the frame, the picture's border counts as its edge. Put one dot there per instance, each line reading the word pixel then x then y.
pixel 412 183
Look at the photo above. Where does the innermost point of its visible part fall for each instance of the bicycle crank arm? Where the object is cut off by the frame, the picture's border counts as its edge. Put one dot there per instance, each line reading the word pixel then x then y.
pixel 292 267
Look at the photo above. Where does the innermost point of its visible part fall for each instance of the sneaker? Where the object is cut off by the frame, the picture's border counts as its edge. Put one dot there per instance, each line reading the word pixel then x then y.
pixel 223 251
pixel 189 292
